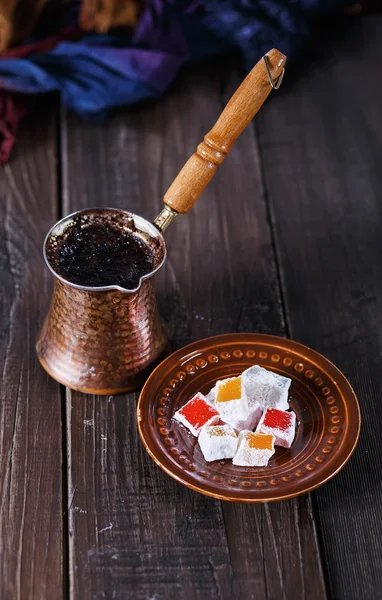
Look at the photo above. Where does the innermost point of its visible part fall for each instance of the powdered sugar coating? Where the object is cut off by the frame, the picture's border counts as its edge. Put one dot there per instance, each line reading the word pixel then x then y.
pixel 251 457
pixel 237 414
pixel 269 389
pixel 284 435
pixel 211 396
pixel 217 442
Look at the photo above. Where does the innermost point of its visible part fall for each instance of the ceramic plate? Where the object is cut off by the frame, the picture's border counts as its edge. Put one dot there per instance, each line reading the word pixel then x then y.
pixel 327 412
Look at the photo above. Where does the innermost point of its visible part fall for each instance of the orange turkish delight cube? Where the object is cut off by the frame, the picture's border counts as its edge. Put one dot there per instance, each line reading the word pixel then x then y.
pixel 254 449
pixel 228 389
pixel 260 441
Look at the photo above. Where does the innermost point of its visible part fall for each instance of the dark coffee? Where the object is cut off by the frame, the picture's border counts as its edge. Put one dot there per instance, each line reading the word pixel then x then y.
pixel 100 255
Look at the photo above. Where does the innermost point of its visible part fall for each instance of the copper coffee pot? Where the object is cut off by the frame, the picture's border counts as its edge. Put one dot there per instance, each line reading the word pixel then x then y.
pixel 103 340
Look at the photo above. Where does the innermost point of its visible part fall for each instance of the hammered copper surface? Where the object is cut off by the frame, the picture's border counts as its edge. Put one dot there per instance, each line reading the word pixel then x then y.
pixel 328 417
pixel 102 341
pixel 99 342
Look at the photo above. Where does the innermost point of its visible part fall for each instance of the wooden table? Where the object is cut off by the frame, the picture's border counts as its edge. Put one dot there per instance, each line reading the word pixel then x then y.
pixel 286 240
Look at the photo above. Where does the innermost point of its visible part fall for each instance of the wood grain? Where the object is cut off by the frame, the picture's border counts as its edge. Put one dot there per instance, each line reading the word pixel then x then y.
pixel 31 534
pixel 134 532
pixel 321 148
pixel 236 115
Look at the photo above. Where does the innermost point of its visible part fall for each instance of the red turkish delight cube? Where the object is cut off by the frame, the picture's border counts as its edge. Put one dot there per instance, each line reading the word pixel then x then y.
pixel 196 413
pixel 279 423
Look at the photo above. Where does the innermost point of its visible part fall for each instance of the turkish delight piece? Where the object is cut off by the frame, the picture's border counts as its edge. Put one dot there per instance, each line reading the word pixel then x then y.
pixel 239 415
pixel 196 413
pixel 232 404
pixel 254 449
pixel 217 442
pixel 280 424
pixel 269 389
pixel 228 389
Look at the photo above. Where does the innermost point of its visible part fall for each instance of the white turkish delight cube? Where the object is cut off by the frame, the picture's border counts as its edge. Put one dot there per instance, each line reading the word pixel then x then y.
pixel 238 415
pixel 269 389
pixel 217 442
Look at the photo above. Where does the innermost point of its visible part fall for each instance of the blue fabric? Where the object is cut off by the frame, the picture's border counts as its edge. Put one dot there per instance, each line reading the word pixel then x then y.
pixel 256 26
pixel 100 72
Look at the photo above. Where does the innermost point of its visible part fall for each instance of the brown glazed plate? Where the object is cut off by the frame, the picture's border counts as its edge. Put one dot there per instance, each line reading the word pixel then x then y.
pixel 327 410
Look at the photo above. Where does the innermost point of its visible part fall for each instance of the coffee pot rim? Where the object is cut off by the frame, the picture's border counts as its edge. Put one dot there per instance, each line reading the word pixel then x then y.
pixel 141 223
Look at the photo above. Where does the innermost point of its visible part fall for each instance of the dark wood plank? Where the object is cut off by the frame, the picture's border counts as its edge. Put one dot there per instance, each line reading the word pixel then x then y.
pixel 31 558
pixel 155 538
pixel 134 532
pixel 321 146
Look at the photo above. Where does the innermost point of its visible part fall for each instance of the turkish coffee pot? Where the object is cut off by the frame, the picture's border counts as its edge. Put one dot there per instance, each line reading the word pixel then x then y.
pixel 106 339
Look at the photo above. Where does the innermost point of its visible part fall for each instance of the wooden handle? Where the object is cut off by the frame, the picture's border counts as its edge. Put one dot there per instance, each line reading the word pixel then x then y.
pixel 240 110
